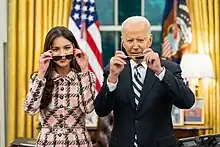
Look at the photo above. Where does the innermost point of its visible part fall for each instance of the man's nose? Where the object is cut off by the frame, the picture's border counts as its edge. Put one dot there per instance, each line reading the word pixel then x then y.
pixel 135 44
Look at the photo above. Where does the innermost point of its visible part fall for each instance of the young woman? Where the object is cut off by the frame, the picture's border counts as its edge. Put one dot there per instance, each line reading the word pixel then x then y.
pixel 62 91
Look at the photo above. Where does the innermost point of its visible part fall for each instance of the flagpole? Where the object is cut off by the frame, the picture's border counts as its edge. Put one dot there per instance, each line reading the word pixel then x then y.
pixel 82 28
pixel 175 29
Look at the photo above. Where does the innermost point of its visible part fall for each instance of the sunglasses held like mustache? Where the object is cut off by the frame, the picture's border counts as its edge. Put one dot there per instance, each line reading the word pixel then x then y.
pixel 132 57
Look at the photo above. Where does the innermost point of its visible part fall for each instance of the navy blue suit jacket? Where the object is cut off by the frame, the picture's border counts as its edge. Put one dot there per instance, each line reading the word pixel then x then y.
pixel 152 120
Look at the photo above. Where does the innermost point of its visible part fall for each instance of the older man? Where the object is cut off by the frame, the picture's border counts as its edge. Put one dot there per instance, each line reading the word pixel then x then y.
pixel 140 89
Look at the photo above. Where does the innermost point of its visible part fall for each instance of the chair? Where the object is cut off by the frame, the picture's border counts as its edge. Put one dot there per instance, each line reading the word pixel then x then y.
pixel 104 129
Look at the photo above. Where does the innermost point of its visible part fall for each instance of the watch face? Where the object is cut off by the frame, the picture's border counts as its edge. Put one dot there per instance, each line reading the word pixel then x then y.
pixel 190 144
pixel 218 138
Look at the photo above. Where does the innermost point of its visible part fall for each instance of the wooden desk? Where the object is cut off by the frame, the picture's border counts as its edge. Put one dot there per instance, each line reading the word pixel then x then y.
pixel 93 133
pixel 182 132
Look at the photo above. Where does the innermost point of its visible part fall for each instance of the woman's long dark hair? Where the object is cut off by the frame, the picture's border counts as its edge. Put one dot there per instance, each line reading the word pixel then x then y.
pixel 51 35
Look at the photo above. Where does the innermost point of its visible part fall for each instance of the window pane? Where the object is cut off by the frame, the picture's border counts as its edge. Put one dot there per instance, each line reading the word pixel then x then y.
pixel 105 11
pixel 127 8
pixel 108 46
pixel 154 11
pixel 156 44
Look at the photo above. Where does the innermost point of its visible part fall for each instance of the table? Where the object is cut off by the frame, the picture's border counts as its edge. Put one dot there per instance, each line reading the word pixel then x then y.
pixel 189 131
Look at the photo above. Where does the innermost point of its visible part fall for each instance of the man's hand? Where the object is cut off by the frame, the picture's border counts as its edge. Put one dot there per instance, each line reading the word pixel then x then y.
pixel 153 61
pixel 116 66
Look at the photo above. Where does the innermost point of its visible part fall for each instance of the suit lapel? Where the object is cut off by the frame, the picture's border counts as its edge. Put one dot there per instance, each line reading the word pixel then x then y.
pixel 150 78
pixel 126 77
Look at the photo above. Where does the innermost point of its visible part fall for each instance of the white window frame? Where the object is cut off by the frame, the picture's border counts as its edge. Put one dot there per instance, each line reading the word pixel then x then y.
pixel 117 28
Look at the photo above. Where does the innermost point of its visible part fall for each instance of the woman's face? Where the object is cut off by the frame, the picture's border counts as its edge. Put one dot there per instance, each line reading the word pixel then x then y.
pixel 62 47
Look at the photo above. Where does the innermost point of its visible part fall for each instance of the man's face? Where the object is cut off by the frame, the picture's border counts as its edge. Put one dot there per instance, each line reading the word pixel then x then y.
pixel 136 38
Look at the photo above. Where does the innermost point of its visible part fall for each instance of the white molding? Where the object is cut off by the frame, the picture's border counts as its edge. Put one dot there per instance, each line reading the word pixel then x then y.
pixel 2 97
pixel 118 28
pixel 3 40
pixel 142 7
pixel 116 22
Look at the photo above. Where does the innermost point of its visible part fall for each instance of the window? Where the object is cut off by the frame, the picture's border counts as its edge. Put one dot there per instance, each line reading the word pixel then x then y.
pixel 153 10
pixel 112 13
pixel 105 11
pixel 108 45
pixel 127 8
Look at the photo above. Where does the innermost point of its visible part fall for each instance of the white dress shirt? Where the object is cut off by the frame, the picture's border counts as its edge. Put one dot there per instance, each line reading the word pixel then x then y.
pixel 142 70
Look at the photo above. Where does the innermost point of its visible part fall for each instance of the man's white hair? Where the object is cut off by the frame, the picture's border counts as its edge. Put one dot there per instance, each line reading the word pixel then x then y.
pixel 136 19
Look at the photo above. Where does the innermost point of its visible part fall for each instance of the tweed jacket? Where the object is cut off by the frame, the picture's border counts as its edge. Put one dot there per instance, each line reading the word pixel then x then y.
pixel 63 122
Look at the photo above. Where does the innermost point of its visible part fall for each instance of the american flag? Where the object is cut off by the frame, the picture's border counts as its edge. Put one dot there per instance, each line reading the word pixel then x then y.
pixel 84 24
pixel 166 49
pixel 176 33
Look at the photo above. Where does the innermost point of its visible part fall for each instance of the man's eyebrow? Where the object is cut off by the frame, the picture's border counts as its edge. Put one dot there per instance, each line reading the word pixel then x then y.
pixel 129 38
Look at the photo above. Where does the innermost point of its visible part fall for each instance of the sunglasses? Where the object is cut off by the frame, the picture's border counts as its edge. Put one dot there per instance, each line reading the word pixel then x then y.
pixel 69 57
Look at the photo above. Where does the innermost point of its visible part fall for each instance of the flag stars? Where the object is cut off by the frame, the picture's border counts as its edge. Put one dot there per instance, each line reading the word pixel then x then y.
pixel 84 11
pixel 90 18
pixel 92 1
pixel 83 16
pixel 76 16
pixel 85 8
pixel 92 9
pixel 77 7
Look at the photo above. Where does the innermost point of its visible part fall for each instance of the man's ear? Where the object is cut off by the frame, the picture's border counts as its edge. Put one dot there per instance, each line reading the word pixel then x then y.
pixel 149 41
pixel 122 47
pixel 122 43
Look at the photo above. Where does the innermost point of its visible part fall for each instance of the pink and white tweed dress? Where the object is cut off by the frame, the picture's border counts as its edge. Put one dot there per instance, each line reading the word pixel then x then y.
pixel 63 122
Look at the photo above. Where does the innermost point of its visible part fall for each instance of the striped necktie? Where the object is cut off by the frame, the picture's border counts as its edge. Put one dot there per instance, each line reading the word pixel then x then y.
pixel 137 86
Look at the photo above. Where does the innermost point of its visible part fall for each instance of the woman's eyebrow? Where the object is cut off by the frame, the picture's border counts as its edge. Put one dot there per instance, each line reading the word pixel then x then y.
pixel 68 44
pixel 59 46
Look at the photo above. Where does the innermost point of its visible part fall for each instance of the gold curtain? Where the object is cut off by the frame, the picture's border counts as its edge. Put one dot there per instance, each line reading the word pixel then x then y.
pixel 205 16
pixel 29 21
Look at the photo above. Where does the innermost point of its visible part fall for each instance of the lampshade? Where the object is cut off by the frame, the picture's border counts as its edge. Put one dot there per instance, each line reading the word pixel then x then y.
pixel 196 66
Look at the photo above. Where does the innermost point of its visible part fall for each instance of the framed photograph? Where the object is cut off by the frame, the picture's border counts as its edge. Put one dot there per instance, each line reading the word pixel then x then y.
pixel 91 120
pixel 195 115
pixel 177 116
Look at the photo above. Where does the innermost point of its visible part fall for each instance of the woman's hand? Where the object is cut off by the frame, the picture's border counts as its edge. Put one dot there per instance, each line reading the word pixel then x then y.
pixel 44 62
pixel 82 60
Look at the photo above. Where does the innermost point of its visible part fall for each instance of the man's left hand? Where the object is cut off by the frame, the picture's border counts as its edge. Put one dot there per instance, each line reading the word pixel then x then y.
pixel 152 60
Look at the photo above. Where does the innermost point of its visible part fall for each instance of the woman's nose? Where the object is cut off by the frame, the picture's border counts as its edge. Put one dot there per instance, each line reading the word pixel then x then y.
pixel 62 52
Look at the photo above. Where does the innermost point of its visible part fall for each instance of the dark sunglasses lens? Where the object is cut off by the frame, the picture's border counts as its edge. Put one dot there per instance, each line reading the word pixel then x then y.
pixel 57 58
pixel 78 55
pixel 140 57
pixel 69 57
